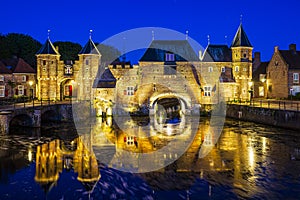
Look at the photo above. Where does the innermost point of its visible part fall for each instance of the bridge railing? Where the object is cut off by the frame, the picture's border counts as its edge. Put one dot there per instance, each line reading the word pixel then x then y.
pixel 12 104
pixel 270 104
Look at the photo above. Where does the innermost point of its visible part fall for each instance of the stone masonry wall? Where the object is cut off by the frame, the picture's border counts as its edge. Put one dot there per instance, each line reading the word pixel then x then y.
pixel 273 117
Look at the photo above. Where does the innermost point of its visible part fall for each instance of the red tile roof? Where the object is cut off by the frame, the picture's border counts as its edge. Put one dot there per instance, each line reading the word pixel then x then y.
pixel 3 69
pixel 23 67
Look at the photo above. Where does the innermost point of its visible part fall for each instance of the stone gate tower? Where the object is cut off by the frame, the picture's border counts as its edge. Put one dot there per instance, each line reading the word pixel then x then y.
pixel 242 63
pixel 88 64
pixel 48 60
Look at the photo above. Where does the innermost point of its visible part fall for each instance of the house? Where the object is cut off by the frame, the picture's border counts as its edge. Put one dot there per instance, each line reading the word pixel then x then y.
pixel 17 78
pixel 283 73
pixel 259 77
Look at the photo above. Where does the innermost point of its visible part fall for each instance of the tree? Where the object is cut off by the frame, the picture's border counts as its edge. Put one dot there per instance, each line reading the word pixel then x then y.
pixel 19 45
pixel 68 50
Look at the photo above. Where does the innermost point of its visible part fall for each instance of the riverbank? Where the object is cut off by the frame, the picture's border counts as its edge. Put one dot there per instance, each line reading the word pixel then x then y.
pixel 280 118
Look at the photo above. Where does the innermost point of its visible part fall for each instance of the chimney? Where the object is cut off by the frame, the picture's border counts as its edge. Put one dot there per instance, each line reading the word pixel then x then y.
pixel 276 48
pixel 292 47
pixel 257 57
pixel 256 60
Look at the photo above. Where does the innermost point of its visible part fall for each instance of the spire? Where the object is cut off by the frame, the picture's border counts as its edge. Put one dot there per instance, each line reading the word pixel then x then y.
pixel 208 40
pixel 91 31
pixel 240 38
pixel 241 19
pixel 152 35
pixel 48 47
pixel 186 35
pixel 90 47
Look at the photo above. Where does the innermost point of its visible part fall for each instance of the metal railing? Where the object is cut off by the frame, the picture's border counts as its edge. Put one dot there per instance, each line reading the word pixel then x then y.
pixel 270 104
pixel 12 104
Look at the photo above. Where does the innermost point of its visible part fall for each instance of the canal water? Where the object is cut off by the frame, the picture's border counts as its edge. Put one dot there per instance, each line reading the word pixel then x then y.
pixel 249 161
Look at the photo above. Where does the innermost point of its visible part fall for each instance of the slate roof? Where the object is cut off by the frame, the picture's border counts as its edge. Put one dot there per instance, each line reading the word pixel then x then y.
pixel 158 48
pixel 23 67
pixel 48 48
pixel 261 69
pixel 227 77
pixel 291 57
pixel 240 38
pixel 217 53
pixel 4 69
pixel 107 80
pixel 89 48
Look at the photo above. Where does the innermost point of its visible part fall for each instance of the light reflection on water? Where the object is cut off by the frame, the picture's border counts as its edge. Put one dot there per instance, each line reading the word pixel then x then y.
pixel 249 161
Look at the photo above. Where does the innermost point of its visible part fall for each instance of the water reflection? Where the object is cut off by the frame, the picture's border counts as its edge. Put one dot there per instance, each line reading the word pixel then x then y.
pixel 248 161
pixel 53 157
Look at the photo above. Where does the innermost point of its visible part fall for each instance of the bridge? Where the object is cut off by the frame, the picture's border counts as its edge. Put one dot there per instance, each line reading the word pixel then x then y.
pixel 33 114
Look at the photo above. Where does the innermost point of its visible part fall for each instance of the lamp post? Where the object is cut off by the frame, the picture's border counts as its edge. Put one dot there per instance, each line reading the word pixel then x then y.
pixel 291 93
pixel 250 90
pixel 31 92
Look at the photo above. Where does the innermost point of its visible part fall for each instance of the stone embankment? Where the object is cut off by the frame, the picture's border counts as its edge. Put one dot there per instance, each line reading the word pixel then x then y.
pixel 274 117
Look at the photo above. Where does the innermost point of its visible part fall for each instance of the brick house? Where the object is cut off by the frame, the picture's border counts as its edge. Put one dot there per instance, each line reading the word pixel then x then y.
pixel 283 73
pixel 259 77
pixel 17 78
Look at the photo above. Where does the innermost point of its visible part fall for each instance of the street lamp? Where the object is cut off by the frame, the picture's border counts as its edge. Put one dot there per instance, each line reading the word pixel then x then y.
pixel 31 92
pixel 291 93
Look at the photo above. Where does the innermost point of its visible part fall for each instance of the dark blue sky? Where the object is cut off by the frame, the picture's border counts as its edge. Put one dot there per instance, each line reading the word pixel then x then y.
pixel 267 23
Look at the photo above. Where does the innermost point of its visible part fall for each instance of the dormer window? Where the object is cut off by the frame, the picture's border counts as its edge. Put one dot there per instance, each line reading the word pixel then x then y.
pixel 170 57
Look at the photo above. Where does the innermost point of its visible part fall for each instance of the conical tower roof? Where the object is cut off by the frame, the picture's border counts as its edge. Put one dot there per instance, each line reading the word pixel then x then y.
pixel 89 48
pixel 48 48
pixel 240 38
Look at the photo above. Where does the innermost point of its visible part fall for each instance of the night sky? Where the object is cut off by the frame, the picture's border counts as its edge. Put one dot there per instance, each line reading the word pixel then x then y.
pixel 267 23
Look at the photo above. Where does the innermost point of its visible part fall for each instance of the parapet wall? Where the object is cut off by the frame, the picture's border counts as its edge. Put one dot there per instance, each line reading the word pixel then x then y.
pixel 274 117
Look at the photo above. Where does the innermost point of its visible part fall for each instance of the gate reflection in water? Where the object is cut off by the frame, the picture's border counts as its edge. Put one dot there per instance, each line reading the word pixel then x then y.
pixel 249 161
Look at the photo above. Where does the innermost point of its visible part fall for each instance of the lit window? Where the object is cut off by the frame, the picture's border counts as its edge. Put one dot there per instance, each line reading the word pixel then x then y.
pixel 68 70
pixel 130 90
pixel 24 78
pixel 296 77
pixel 20 89
pixel 2 91
pixel 244 69
pixel 236 68
pixel 207 91
pixel 223 69
pixel 170 57
pixel 210 69
pixel 1 78
pixel 261 91
pixel 262 77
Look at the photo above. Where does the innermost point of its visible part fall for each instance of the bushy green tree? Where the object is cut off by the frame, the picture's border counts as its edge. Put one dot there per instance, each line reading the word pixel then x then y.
pixel 19 45
pixel 68 50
